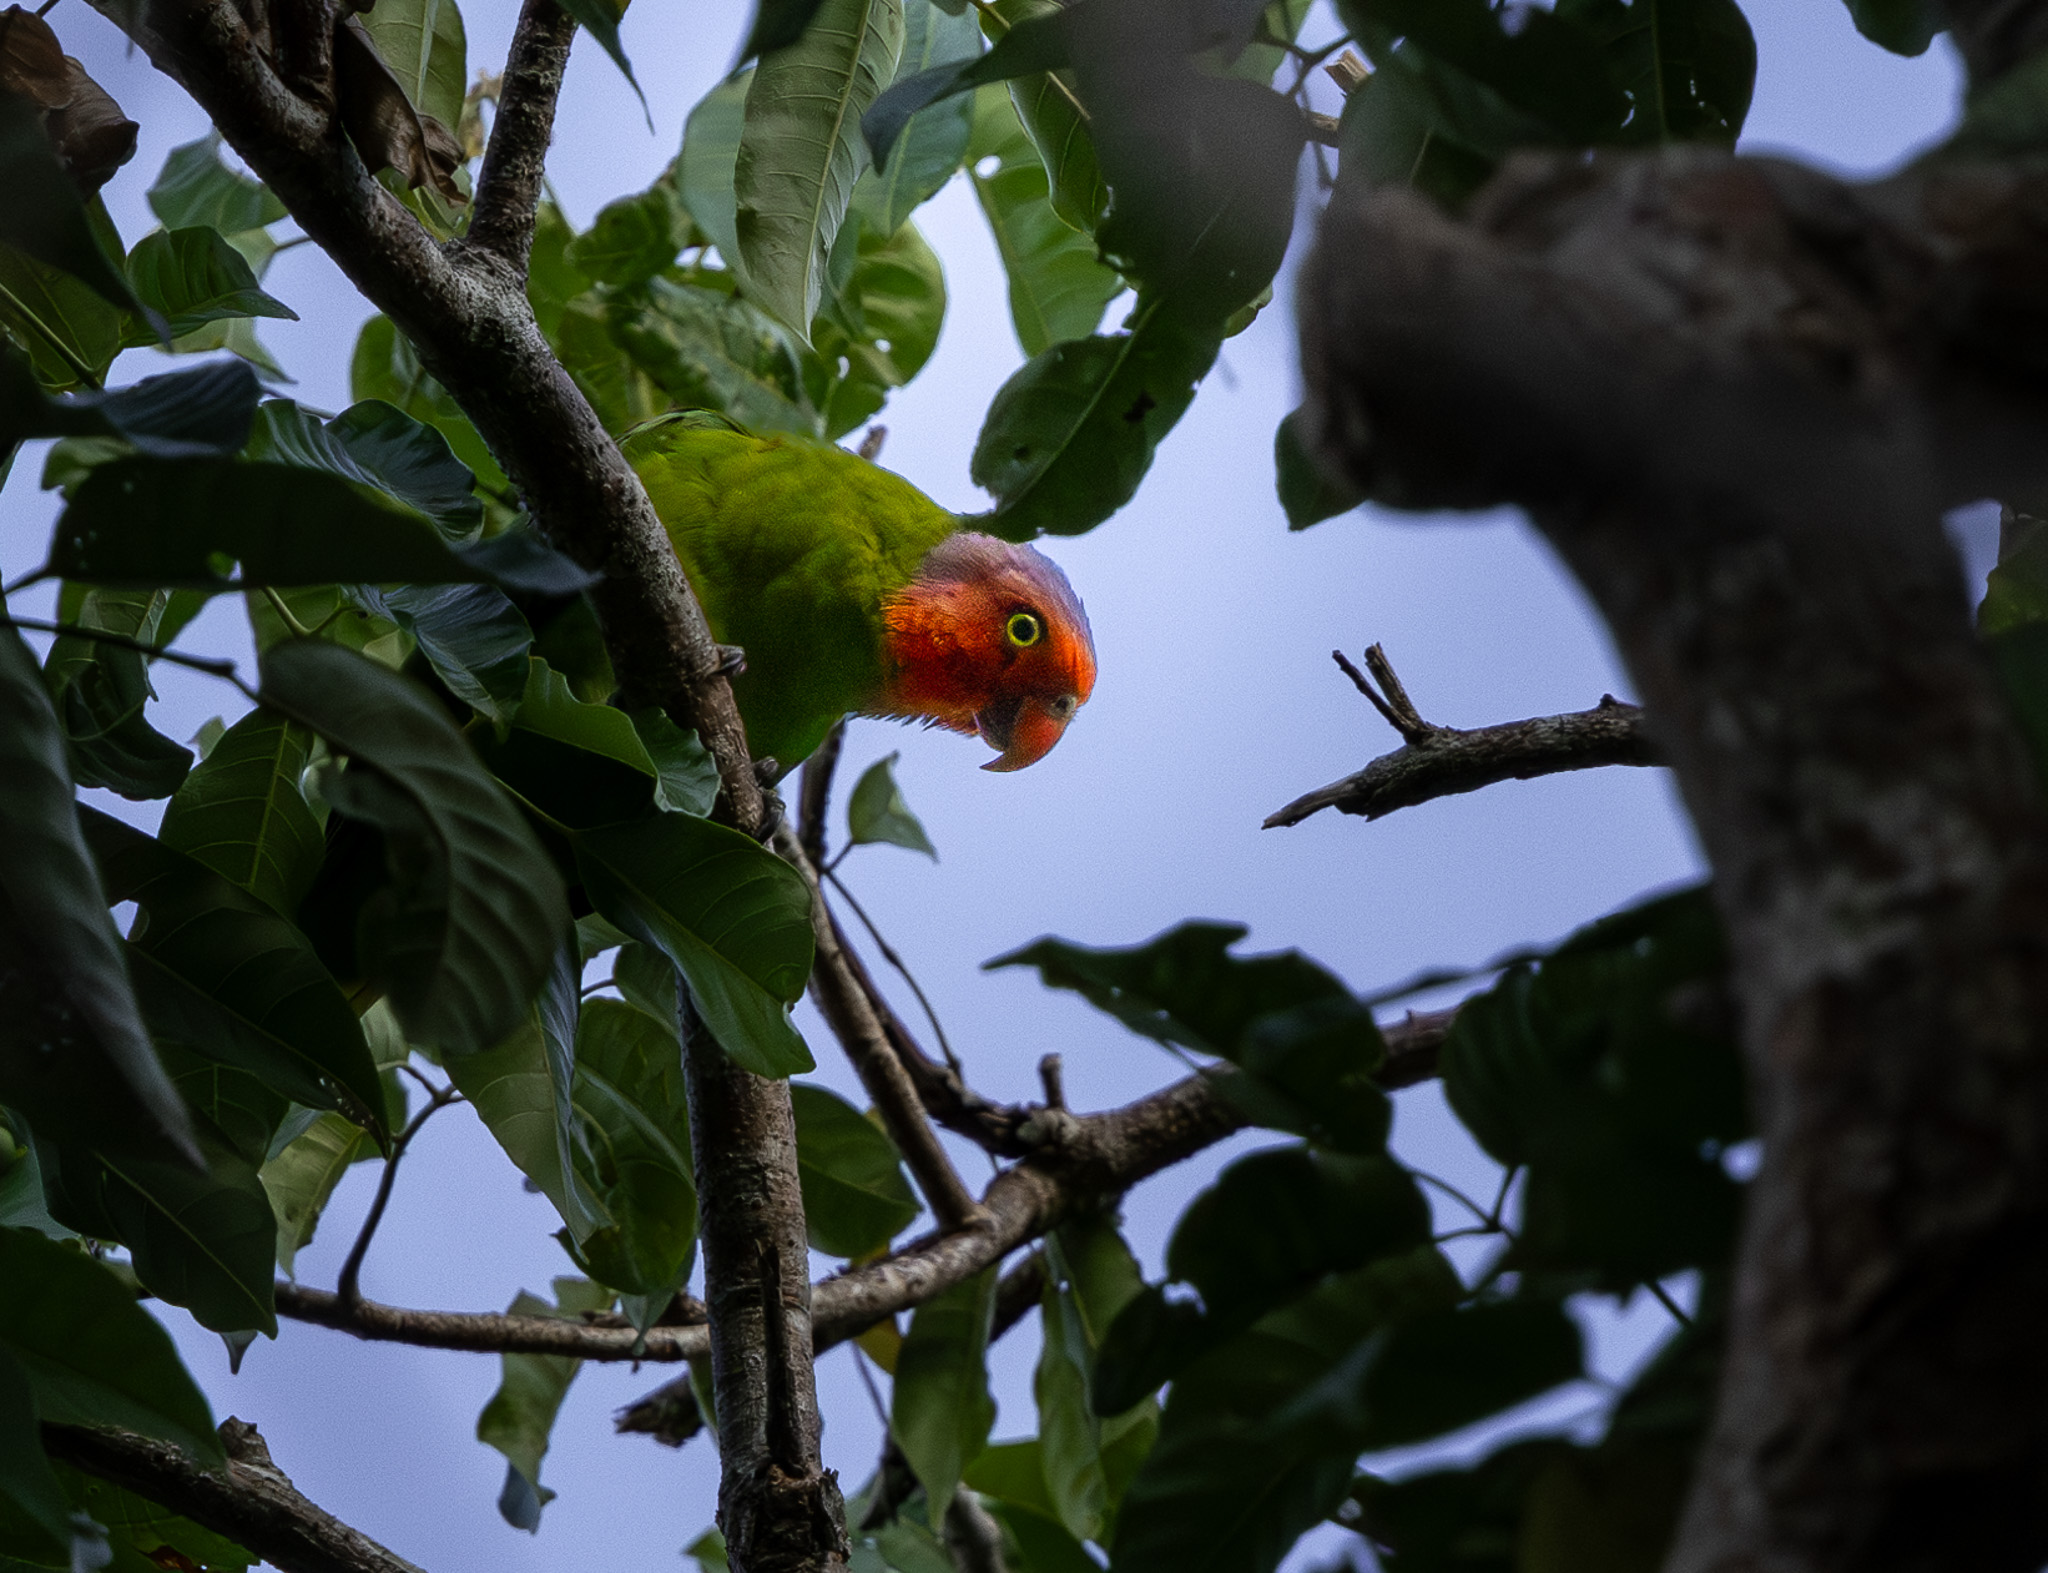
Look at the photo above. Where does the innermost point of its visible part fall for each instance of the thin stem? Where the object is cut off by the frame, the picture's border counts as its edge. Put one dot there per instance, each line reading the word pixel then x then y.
pixel 79 369
pixel 299 629
pixel 1664 1299
pixel 211 666
pixel 1458 1196
pixel 347 1288
pixel 33 576
pixel 1500 1198
pixel 889 955
pixel 589 989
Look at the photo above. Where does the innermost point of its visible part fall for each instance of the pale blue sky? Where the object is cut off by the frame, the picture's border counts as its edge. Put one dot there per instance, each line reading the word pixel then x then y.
pixel 1217 703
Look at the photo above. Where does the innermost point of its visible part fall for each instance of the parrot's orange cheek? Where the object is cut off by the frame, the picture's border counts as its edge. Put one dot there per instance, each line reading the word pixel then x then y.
pixel 1024 729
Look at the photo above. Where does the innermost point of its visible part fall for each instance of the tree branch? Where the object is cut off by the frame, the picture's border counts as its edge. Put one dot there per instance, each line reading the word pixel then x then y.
pixel 1442 761
pixel 465 311
pixel 845 1004
pixel 1737 396
pixel 508 186
pixel 251 1501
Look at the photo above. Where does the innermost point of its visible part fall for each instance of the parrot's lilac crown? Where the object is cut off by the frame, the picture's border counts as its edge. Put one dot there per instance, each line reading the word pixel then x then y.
pixel 989 638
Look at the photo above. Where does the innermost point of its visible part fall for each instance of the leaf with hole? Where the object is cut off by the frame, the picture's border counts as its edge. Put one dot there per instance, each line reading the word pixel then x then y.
pixel 466 928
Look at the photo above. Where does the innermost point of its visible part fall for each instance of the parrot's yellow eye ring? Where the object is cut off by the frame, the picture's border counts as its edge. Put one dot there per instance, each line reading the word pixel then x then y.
pixel 1024 629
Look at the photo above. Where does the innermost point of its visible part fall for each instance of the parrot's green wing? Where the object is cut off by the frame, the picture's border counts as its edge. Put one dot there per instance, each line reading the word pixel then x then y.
pixel 792 545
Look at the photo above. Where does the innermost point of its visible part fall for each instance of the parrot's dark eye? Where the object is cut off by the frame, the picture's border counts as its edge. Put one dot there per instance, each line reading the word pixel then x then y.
pixel 1024 629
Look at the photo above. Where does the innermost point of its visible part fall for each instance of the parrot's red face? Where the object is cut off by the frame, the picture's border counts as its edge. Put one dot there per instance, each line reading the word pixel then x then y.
pixel 989 639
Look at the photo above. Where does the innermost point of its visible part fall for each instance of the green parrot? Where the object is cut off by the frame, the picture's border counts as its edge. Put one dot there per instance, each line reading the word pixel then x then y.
pixel 851 592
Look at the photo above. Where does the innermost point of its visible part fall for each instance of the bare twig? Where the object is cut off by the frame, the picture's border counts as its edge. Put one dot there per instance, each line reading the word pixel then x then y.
pixel 251 1501
pixel 348 1287
pixel 212 666
pixel 845 1005
pixel 508 186
pixel 814 796
pixel 895 959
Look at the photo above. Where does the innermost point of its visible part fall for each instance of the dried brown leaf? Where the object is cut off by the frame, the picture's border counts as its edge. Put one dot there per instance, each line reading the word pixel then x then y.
pixel 387 130
pixel 91 135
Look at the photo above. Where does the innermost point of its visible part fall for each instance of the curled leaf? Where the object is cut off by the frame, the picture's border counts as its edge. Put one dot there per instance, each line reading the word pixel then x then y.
pixel 387 130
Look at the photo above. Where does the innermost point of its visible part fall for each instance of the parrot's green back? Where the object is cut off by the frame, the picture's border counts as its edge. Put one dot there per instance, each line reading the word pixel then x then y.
pixel 792 544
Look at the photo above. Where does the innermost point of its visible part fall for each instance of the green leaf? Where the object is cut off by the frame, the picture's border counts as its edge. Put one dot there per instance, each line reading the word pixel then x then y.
pixel 1307 494
pixel 777 24
pixel 1688 66
pixel 196 190
pixel 224 974
pixel 177 415
pixel 243 811
pixel 1225 1490
pixel 1057 287
pixel 686 777
pixel 1092 1278
pixel 1037 44
pixel 883 322
pixel 933 142
pixel 21 1183
pixel 101 691
pixel 1439 1372
pixel 522 1412
pixel 465 931
pixel 140 1533
pixel 149 523
pixel 35 1517
pixel 1047 105
pixel 43 215
pixel 800 150
pixel 1905 27
pixel 1071 434
pixel 476 640
pixel 940 1411
pixel 522 1089
pixel 552 280
pixel 377 445
pixel 1467 1520
pixel 424 44
pixel 1272 1226
pixel 734 917
pixel 63 977
pixel 709 160
pixel 69 332
pixel 633 1150
pixel 1037 1544
pixel 876 813
pixel 193 277
pixel 300 1179
pixel 385 366
pixel 633 238
pixel 92 1354
pixel 856 1199
pixel 715 351
pixel 1612 1073
pixel 600 19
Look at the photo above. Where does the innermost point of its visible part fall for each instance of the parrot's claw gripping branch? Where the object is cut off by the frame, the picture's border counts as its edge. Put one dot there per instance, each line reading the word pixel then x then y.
pixel 1442 761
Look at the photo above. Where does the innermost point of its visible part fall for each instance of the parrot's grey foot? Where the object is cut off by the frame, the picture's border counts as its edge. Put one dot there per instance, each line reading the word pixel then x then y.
pixel 767 771
pixel 771 816
pixel 732 660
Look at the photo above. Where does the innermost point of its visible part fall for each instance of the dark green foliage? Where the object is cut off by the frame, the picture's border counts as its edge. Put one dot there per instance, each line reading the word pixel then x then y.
pixel 856 1199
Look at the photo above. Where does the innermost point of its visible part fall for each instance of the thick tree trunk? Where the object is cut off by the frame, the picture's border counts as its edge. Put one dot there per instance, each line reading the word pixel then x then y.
pixel 1737 397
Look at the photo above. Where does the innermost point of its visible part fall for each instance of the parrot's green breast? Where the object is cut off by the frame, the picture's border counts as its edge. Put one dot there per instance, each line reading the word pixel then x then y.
pixel 791 544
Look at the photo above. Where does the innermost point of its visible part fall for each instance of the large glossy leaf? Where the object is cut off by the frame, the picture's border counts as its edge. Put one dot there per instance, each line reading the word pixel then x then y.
pixel 1611 1073
pixel 192 277
pixel 92 1354
pixel 43 215
pixel 856 1199
pixel 523 1091
pixel 940 1411
pixel 520 1415
pixel 801 151
pixel 1226 1491
pixel 101 691
pixel 385 366
pixel 1071 434
pixel 219 971
pixel 196 190
pixel 1271 1227
pixel 377 444
pixel 733 916
pixel 711 350
pixel 243 811
pixel 424 44
pixel 1688 66
pixel 35 1517
pixel 207 1242
pixel 63 979
pixel 1057 287
pixel 169 522
pixel 932 143
pixel 465 931
pixel 709 159
pixel 686 777
pixel 633 1149
pixel 176 415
